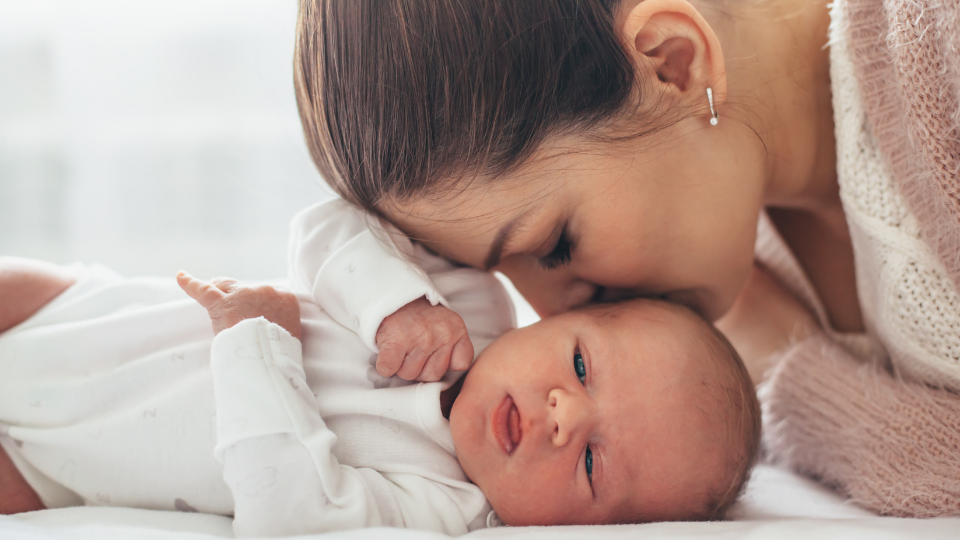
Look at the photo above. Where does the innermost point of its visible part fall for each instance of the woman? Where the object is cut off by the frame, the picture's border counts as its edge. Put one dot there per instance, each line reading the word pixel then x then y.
pixel 601 149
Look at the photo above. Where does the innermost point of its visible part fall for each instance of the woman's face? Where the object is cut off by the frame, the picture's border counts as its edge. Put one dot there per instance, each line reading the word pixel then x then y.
pixel 671 215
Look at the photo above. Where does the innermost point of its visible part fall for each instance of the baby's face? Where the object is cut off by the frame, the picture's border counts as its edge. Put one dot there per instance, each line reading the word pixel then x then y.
pixel 596 416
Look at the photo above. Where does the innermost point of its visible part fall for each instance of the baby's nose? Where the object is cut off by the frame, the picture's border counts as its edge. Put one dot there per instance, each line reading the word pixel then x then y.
pixel 569 416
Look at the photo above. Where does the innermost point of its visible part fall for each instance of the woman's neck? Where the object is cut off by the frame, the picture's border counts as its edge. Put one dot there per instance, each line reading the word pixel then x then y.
pixel 778 77
pixel 778 83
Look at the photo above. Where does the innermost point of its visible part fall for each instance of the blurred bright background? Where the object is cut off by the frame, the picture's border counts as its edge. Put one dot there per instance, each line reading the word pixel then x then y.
pixel 152 136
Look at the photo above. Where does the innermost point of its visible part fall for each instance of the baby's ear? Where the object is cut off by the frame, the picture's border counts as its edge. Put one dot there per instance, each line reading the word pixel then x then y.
pixel 674 48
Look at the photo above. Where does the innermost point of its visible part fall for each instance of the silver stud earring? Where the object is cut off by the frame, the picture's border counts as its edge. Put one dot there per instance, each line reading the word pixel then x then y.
pixel 713 113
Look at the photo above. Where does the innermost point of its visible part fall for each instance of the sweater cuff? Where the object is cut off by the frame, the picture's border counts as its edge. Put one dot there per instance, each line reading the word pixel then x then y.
pixel 891 445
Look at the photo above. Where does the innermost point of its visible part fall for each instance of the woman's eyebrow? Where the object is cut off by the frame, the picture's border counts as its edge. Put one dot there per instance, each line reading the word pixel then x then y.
pixel 501 239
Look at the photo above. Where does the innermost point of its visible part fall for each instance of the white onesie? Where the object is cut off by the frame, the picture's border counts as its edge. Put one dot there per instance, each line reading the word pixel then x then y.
pixel 117 393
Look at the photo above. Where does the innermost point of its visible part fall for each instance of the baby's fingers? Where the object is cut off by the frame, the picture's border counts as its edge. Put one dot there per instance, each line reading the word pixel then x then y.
pixel 412 364
pixel 462 356
pixel 205 293
pixel 436 366
pixel 226 284
pixel 390 359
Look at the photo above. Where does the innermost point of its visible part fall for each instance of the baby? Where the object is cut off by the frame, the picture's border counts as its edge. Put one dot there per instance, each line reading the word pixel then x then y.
pixel 116 392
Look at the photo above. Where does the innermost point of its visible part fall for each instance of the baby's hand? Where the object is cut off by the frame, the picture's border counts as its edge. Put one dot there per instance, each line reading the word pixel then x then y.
pixel 228 302
pixel 421 342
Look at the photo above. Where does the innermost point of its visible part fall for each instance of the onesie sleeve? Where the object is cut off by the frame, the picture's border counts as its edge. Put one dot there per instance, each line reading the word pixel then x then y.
pixel 891 445
pixel 277 454
pixel 358 268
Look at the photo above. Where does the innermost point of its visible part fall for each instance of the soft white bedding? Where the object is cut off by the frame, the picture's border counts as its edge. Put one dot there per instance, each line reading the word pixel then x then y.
pixel 777 504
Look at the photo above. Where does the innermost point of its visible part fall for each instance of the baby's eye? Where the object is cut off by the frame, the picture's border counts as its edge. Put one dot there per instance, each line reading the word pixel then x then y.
pixel 580 368
pixel 588 462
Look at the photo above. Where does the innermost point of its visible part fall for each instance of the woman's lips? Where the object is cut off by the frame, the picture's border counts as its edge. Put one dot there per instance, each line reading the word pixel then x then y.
pixel 506 425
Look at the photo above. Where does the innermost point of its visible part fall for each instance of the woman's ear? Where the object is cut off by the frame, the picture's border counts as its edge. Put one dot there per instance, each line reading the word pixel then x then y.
pixel 675 48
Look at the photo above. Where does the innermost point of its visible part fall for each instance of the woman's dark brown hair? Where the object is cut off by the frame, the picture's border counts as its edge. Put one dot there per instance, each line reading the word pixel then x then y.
pixel 398 98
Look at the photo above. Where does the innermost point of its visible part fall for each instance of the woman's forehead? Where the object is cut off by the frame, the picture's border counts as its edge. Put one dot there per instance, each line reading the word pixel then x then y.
pixel 473 219
pixel 480 199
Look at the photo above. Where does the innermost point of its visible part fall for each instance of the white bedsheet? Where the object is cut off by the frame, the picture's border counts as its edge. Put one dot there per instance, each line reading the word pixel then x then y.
pixel 777 504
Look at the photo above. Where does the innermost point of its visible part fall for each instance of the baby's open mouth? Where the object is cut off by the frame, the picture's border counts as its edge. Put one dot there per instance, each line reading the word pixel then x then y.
pixel 506 425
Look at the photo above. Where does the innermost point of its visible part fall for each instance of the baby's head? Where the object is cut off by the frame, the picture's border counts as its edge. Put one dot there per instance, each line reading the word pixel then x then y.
pixel 619 413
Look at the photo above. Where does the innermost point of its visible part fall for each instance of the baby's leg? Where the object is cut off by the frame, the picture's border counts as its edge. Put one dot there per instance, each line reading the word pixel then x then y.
pixel 16 495
pixel 26 286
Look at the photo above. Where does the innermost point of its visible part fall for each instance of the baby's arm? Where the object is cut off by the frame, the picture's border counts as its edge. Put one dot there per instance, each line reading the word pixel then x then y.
pixel 367 282
pixel 277 451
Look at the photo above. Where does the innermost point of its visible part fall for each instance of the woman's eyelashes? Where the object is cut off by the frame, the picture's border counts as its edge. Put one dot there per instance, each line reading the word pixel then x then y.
pixel 561 253
pixel 580 368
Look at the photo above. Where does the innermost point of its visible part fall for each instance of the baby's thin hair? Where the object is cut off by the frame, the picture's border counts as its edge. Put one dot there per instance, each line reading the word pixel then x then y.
pixel 745 426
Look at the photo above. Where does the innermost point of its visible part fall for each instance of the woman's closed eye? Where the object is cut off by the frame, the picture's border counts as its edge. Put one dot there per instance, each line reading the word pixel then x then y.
pixel 561 253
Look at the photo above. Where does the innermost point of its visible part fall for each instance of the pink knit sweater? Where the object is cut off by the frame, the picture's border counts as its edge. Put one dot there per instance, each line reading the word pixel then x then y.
pixel 907 57
pixel 832 407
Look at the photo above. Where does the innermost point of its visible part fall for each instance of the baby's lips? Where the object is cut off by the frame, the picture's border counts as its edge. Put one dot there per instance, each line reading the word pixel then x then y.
pixel 501 425
pixel 516 431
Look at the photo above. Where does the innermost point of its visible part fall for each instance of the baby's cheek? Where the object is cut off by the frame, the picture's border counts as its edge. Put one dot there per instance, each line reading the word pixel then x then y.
pixel 533 498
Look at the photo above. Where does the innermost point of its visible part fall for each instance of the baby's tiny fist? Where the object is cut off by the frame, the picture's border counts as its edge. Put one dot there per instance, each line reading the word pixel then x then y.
pixel 422 342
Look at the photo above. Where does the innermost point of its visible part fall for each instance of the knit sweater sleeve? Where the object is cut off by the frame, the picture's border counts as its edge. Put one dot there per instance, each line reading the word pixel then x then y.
pixel 892 445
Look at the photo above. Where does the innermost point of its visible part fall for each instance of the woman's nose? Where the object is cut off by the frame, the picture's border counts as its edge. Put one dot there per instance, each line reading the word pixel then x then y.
pixel 578 293
pixel 554 299
pixel 562 299
pixel 549 291
pixel 568 416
